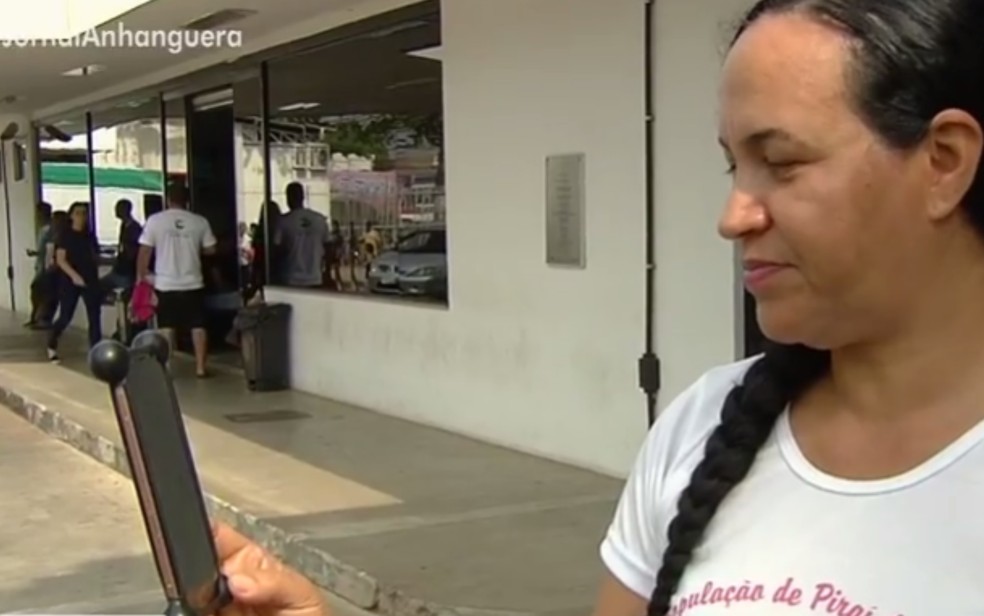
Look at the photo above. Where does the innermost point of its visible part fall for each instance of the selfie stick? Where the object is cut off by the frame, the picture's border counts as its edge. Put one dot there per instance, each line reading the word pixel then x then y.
pixel 109 361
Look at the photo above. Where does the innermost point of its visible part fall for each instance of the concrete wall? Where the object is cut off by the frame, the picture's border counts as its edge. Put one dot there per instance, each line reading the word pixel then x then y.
pixel 696 309
pixel 540 359
pixel 21 215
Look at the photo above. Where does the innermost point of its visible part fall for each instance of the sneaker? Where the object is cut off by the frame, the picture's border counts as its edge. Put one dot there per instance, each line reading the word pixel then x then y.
pixel 53 356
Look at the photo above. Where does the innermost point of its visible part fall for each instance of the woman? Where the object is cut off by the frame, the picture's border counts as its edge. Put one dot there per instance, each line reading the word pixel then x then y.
pixel 77 259
pixel 819 478
pixel 266 249
pixel 44 300
pixel 840 472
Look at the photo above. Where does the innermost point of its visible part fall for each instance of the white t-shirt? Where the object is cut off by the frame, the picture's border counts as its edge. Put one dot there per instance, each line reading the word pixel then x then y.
pixel 791 540
pixel 178 238
pixel 304 233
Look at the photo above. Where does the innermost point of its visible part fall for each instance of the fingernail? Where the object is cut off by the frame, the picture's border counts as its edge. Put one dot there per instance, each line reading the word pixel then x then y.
pixel 241 584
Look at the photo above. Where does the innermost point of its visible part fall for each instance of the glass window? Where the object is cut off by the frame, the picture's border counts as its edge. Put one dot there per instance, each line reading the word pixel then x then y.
pixel 64 159
pixel 357 161
pixel 127 163
pixel 63 167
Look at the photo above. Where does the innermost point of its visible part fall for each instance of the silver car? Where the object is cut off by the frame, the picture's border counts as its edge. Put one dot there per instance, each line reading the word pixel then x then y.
pixel 417 266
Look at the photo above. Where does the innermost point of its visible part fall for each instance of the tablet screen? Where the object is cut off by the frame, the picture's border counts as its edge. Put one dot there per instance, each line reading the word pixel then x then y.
pixel 170 471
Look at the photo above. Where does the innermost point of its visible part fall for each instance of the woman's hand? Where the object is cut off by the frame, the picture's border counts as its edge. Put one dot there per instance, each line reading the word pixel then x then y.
pixel 77 281
pixel 260 584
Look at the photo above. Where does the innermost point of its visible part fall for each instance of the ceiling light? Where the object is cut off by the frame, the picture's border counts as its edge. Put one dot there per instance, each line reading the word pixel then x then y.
pixel 409 83
pixel 298 106
pixel 396 29
pixel 428 53
pixel 85 71
pixel 224 17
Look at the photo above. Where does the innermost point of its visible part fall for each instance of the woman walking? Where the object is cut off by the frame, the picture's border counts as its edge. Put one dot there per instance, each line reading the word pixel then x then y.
pixel 76 256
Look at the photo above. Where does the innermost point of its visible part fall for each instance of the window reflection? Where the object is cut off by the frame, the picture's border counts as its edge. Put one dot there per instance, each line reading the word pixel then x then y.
pixel 129 182
pixel 253 232
pixel 357 164
pixel 64 160
pixel 177 142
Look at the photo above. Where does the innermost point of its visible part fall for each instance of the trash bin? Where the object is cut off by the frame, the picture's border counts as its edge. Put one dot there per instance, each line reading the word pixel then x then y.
pixel 264 331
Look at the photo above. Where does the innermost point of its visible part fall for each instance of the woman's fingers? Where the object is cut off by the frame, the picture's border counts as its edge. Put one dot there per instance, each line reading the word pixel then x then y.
pixel 269 584
pixel 227 541
pixel 259 580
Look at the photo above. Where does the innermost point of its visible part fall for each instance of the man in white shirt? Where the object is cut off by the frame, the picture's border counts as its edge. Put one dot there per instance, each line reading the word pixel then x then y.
pixel 303 234
pixel 177 239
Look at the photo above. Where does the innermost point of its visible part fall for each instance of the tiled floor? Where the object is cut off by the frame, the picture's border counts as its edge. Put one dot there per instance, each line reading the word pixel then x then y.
pixel 442 517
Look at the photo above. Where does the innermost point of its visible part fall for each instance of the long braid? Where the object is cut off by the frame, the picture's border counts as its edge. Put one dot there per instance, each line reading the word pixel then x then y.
pixel 748 417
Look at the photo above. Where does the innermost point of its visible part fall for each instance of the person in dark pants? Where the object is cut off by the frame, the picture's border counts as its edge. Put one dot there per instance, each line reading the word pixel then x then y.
pixel 77 258
pixel 42 309
pixel 178 239
pixel 124 272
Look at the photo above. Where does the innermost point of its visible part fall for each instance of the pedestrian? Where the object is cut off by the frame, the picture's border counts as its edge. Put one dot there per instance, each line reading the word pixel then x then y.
pixel 77 259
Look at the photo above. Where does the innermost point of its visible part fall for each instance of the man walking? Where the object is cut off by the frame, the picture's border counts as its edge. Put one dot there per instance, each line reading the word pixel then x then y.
pixel 177 239
pixel 304 236
pixel 128 248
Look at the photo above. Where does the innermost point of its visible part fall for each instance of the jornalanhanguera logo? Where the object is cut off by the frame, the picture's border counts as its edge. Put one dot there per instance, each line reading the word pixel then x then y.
pixel 122 37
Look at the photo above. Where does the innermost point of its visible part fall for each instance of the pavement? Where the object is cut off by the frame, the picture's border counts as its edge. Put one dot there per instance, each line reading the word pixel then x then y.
pixel 73 540
pixel 394 517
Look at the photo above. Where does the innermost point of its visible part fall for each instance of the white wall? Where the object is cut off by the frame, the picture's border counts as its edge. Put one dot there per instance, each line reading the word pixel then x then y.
pixel 696 312
pixel 22 229
pixel 537 358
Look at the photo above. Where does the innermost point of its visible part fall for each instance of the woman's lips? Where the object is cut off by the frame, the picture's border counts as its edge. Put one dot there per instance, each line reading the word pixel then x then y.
pixel 758 274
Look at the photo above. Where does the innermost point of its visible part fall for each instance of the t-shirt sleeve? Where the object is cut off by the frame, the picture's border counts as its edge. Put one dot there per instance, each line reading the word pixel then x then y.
pixel 132 234
pixel 149 235
pixel 632 550
pixel 208 238
pixel 59 240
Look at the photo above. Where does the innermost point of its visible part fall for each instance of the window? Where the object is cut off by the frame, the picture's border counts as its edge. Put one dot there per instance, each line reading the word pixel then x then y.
pixel 127 168
pixel 356 150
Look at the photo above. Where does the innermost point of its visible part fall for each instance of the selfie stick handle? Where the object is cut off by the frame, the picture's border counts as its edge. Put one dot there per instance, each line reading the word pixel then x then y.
pixel 109 362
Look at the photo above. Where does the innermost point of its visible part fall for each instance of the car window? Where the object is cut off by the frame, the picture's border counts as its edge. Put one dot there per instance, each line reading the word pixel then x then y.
pixel 413 242
pixel 428 242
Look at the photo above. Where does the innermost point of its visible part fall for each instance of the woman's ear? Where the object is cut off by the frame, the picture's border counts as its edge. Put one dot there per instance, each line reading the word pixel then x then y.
pixel 955 141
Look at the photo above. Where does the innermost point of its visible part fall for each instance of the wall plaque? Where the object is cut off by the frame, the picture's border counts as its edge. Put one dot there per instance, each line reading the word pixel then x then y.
pixel 566 233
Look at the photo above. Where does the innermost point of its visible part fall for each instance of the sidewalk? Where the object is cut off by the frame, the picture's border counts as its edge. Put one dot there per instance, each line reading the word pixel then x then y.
pixel 106 568
pixel 392 516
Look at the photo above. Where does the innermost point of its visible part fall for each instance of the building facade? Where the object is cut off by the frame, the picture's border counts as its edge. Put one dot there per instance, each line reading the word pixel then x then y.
pixel 528 354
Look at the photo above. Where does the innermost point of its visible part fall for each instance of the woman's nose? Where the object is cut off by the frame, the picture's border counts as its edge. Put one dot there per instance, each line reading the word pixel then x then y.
pixel 743 215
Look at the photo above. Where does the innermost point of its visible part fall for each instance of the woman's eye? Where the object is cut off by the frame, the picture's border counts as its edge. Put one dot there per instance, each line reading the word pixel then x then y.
pixel 730 170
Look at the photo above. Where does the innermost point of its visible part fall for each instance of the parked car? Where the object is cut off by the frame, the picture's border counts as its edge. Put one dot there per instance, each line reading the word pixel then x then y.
pixel 416 266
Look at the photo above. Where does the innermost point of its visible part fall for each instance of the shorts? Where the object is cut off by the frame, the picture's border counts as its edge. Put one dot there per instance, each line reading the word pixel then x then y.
pixel 181 309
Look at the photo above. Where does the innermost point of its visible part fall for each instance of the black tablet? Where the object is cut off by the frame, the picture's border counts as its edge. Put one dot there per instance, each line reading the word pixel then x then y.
pixel 164 474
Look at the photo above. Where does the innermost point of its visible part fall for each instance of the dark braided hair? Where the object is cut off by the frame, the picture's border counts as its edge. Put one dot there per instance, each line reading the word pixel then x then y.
pixel 912 59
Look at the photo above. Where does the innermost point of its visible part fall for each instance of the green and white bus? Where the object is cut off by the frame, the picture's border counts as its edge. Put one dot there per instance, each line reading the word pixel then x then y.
pixel 64 183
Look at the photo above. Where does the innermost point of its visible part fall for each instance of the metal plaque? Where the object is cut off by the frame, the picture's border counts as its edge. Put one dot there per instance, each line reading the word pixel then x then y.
pixel 566 234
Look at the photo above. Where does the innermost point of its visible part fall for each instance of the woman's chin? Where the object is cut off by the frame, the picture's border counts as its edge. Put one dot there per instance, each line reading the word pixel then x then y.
pixel 782 325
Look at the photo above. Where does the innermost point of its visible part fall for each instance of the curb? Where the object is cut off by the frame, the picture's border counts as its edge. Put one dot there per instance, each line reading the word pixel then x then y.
pixel 352 585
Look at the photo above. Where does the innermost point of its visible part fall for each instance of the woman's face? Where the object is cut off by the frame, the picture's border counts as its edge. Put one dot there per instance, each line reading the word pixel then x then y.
pixel 80 217
pixel 831 222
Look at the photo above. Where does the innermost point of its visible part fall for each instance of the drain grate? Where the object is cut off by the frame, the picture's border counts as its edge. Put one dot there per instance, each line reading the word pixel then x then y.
pixel 267 416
